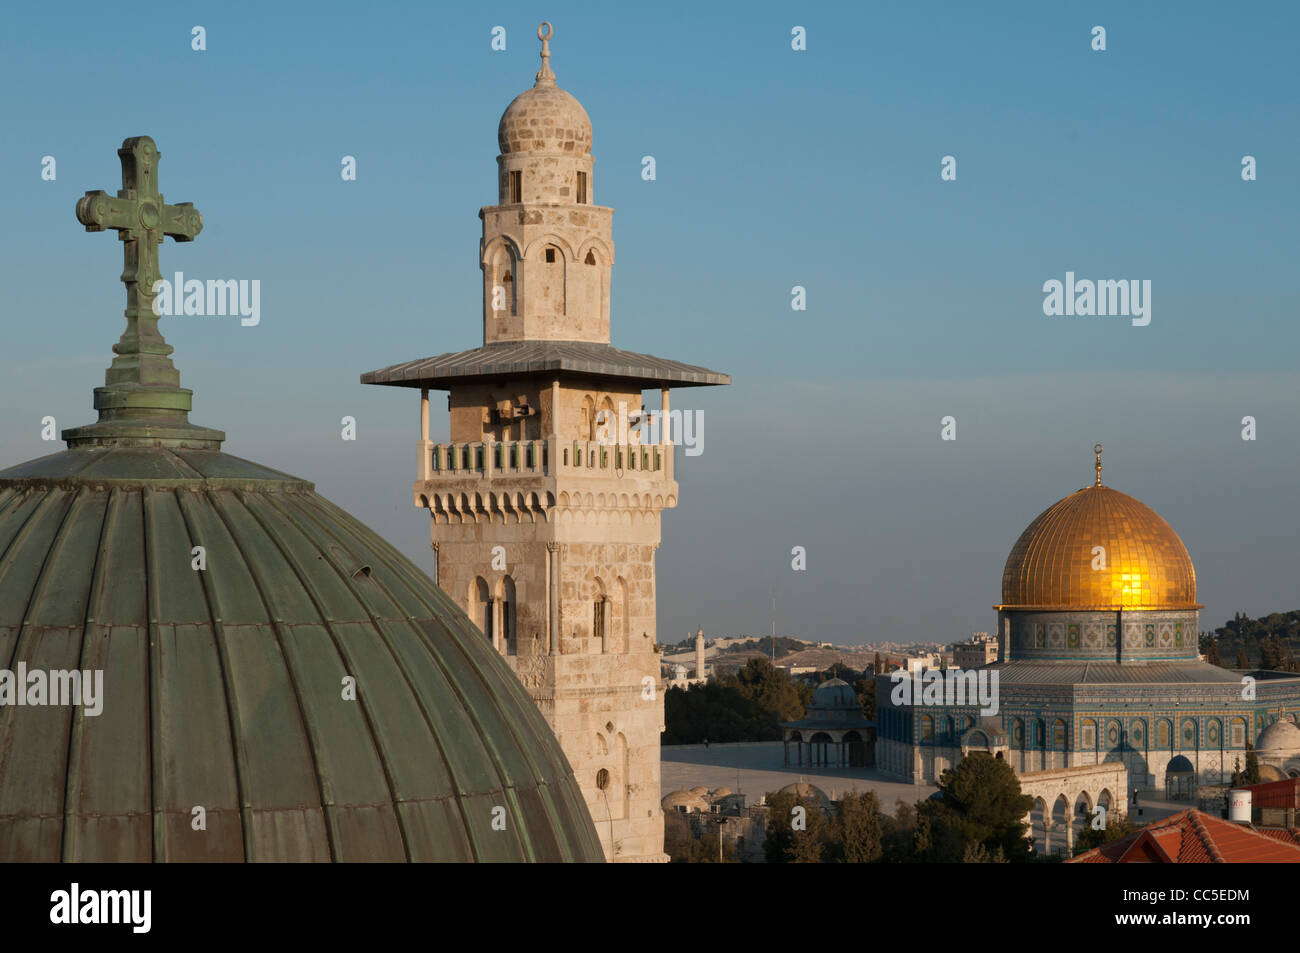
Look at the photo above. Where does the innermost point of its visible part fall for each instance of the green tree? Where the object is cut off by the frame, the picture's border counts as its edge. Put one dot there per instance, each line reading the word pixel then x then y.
pixel 1251 774
pixel 857 826
pixel 978 854
pixel 1212 651
pixel 865 689
pixel 1270 654
pixel 683 847
pixel 773 690
pixel 897 834
pixel 1118 825
pixel 1242 661
pixel 981 803
pixel 784 844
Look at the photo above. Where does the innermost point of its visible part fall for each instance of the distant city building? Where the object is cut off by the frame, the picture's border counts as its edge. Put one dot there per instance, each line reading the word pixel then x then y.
pixel 675 674
pixel 982 649
pixel 920 663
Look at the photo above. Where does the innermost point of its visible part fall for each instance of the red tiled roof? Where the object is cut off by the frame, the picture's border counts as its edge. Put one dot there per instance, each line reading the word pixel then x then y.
pixel 1281 794
pixel 1285 835
pixel 1194 837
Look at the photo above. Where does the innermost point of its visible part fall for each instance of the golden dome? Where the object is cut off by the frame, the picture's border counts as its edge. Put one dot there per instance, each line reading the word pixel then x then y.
pixel 1055 564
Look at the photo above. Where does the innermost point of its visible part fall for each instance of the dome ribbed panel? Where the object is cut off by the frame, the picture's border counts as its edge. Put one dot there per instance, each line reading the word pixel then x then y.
pixel 224 687
pixel 1051 565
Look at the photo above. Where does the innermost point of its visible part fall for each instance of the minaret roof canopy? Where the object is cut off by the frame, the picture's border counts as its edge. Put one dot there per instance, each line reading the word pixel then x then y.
pixel 518 358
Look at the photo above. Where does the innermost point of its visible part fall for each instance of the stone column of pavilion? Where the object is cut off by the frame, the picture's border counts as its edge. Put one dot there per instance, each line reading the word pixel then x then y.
pixel 545 505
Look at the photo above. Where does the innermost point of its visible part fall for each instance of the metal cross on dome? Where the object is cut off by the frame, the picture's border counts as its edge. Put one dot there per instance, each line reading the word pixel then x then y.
pixel 141 402
pixel 141 218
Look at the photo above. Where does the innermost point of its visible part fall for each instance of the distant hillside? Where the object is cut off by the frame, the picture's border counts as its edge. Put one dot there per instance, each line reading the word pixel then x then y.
pixel 784 646
pixel 1270 642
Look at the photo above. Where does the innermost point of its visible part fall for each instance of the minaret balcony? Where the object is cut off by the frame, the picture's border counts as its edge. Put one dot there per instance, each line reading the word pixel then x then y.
pixel 446 462
pixel 458 461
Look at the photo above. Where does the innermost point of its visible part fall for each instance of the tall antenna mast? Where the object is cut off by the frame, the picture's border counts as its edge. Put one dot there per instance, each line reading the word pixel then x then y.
pixel 774 625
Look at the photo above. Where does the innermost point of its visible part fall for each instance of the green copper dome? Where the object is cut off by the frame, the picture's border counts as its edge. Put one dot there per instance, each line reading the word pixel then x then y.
pixel 227 670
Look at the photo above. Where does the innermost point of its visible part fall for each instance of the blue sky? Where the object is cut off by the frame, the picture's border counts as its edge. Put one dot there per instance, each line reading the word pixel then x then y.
pixel 775 168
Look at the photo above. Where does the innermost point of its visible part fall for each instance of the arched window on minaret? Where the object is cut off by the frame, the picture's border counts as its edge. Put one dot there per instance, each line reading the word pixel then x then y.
pixel 508 609
pixel 601 625
pixel 623 761
pixel 553 278
pixel 482 603
pixel 588 430
pixel 499 278
pixel 606 429
pixel 624 611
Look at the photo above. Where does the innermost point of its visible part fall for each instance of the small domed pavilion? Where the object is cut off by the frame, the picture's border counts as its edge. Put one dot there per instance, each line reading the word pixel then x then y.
pixel 832 732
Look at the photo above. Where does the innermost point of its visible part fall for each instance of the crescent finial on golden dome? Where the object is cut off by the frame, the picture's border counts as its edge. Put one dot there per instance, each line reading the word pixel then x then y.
pixel 1097 448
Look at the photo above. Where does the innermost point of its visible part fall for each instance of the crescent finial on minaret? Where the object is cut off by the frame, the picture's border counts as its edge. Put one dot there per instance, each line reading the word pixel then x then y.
pixel 544 75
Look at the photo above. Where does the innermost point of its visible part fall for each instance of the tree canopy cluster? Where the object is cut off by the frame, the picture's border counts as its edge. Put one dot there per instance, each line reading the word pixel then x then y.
pixel 748 705
pixel 979 818
pixel 1270 642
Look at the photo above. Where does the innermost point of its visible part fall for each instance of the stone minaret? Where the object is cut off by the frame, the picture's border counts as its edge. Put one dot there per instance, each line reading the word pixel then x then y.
pixel 545 505
pixel 699 653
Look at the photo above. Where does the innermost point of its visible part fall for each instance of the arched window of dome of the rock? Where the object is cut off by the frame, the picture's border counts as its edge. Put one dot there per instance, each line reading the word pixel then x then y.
pixel 1058 735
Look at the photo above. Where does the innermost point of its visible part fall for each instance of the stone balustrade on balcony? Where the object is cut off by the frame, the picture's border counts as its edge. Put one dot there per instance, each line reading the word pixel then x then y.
pixel 446 461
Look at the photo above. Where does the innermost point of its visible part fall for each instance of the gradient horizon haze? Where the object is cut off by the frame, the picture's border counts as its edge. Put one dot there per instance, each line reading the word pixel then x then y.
pixel 775 168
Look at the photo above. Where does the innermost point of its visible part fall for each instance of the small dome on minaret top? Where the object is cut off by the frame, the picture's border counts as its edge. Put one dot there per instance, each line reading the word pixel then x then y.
pixel 545 118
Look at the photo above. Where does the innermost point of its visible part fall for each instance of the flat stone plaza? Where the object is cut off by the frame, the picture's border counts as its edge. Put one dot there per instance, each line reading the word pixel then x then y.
pixel 755 769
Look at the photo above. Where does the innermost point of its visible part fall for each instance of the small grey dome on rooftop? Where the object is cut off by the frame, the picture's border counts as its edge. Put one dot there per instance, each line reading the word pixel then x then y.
pixel 835 693
pixel 1280 737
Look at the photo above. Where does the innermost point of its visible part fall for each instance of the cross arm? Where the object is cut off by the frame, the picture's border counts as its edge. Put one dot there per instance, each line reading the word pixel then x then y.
pixel 182 221
pixel 98 210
